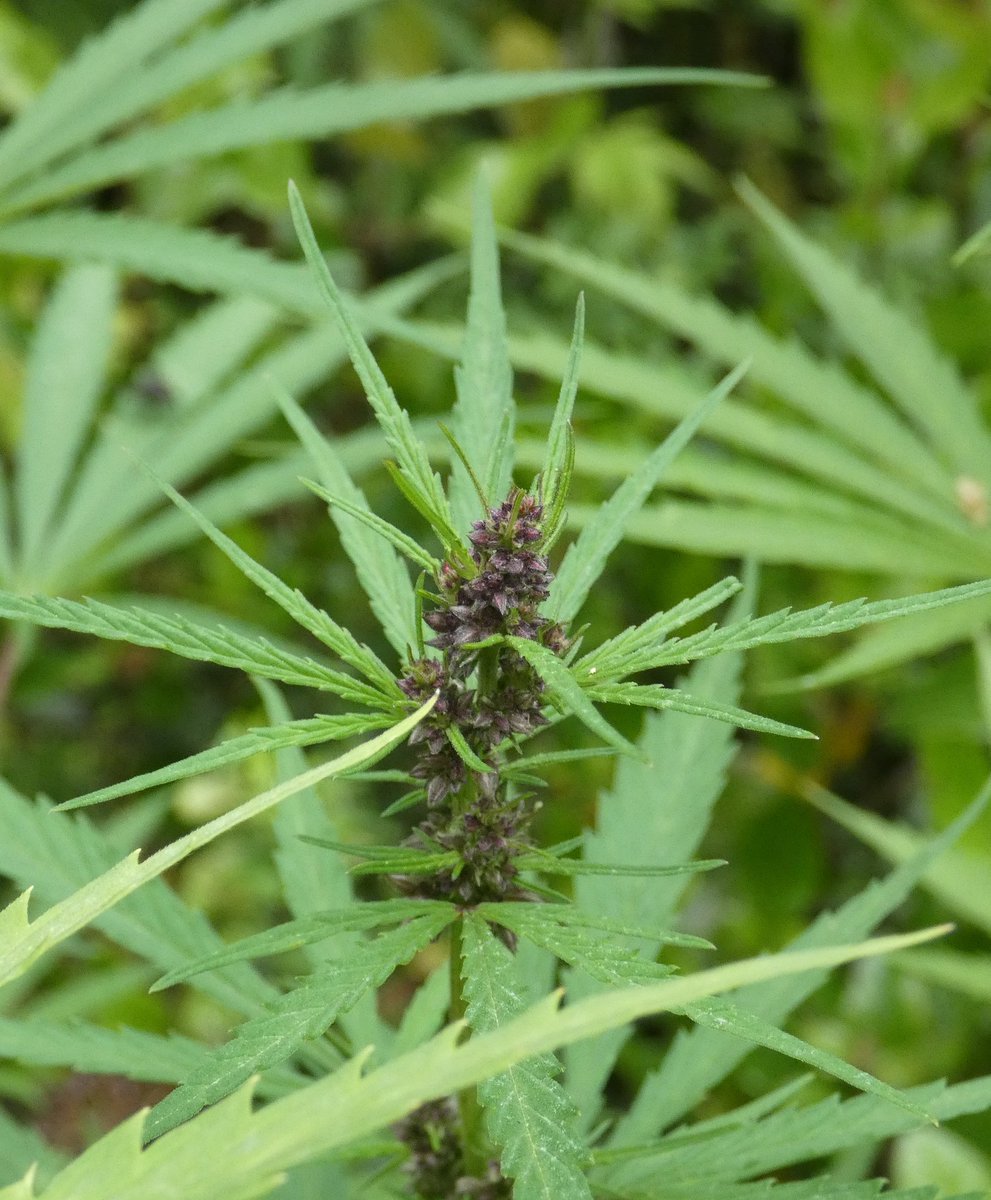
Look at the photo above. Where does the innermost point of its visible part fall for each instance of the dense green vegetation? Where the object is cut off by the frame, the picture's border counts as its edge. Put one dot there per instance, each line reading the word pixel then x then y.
pixel 803 197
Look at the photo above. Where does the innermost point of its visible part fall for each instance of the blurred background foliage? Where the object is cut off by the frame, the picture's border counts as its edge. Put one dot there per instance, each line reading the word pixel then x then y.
pixel 875 138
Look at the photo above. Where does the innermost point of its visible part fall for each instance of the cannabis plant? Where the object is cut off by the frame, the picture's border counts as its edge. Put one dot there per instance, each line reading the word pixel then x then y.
pixel 121 108
pixel 464 1097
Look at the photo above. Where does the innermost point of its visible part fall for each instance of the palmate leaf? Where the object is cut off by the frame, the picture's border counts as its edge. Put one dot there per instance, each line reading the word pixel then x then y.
pixel 606 661
pixel 725 1016
pixel 699 1059
pixel 381 574
pixel 605 959
pixel 312 880
pixel 299 1016
pixel 889 645
pixel 25 941
pixel 234 1152
pixel 482 420
pixel 397 539
pixel 556 864
pixel 554 470
pixel 585 559
pixel 96 69
pixel 195 259
pixel 918 378
pixel 788 625
pixel 295 604
pixel 794 1135
pixel 608 961
pixel 136 90
pixel 322 111
pixel 820 390
pixel 656 812
pixel 528 1115
pixel 520 916
pixel 184 637
pixel 671 392
pixel 109 493
pixel 307 931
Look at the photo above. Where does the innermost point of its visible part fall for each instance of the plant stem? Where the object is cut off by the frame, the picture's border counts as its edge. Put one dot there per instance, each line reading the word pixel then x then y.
pixel 469 1109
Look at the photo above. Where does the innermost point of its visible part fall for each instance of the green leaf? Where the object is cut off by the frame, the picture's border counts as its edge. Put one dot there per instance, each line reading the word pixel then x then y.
pixel 918 378
pixel 425 487
pixel 483 416
pixel 26 942
pixel 56 854
pixel 322 111
pixel 551 864
pixel 672 392
pixel 555 468
pixel 65 377
pixel 517 915
pixel 232 1151
pixel 565 691
pixel 399 540
pixel 890 645
pixel 299 1016
pixel 733 1019
pixel 960 880
pixel 786 625
pixel 698 1060
pixel 306 732
pixel 306 931
pixel 645 825
pixel 659 697
pixel 580 943
pixel 585 559
pixel 820 390
pixel 607 661
pixel 313 881
pixel 383 577
pixel 293 602
pixel 875 543
pixel 96 69
pixel 144 85
pixel 133 1053
pixel 789 1136
pixel 184 637
pixel 528 1115
pixel 968 974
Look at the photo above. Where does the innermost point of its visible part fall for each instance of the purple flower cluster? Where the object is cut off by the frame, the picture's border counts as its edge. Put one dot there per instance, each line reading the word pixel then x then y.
pixel 487 695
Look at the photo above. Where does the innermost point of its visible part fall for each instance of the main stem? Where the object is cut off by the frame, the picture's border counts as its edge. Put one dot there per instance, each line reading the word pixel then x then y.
pixel 469 1109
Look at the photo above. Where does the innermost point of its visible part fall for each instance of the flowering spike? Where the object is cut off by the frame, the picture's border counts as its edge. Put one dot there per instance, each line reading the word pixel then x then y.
pixel 488 695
